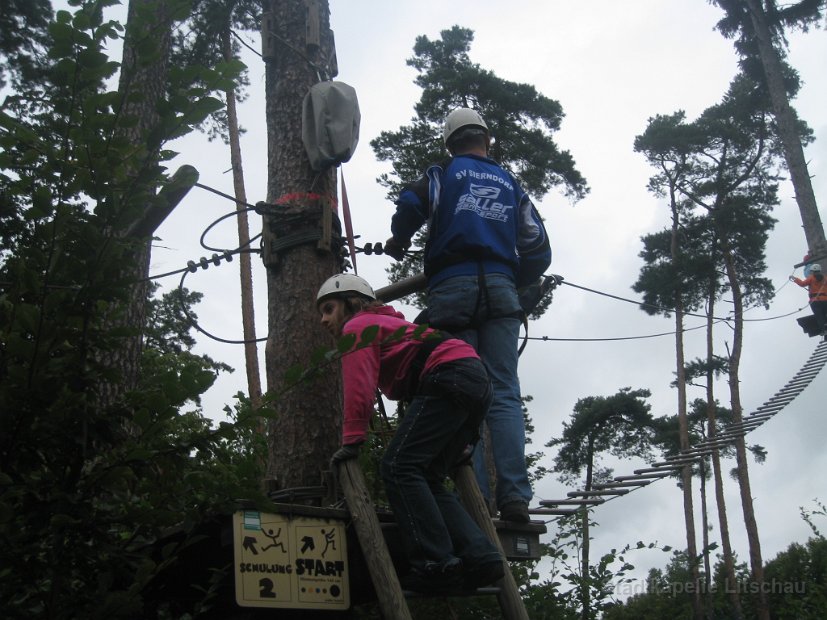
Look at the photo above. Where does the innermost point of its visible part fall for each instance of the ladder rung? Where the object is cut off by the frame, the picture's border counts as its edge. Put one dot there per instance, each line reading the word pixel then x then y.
pixel 556 511
pixel 647 470
pixel 570 502
pixel 625 483
pixel 677 461
pixel 653 476
pixel 604 492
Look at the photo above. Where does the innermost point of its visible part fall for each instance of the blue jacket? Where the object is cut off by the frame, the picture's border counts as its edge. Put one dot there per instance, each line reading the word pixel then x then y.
pixel 477 215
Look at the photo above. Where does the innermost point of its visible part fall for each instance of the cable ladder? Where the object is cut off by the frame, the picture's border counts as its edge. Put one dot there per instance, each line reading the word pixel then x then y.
pixel 622 485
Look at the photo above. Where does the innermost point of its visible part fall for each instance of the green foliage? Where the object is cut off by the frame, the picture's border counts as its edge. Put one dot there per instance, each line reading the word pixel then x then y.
pixel 87 494
pixel 90 492
pixel 620 425
pixel 808 515
pixel 666 595
pixel 520 118
pixel 23 37
pixel 720 173
pixel 796 581
pixel 738 25
pixel 207 39
pixel 605 580
pixel 664 280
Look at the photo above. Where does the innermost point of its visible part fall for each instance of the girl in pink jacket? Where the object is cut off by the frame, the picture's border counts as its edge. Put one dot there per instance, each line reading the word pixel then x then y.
pixel 449 393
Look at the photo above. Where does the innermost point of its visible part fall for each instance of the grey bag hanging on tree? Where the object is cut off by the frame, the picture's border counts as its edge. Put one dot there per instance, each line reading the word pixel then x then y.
pixel 330 124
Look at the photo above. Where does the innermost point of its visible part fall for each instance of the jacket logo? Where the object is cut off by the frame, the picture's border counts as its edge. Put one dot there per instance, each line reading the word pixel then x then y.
pixel 485 191
pixel 481 200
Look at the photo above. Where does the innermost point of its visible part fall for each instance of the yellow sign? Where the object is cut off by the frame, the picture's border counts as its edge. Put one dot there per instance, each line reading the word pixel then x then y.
pixel 289 561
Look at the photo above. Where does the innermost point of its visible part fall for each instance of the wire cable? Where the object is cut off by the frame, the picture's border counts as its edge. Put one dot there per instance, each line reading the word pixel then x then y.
pixel 195 324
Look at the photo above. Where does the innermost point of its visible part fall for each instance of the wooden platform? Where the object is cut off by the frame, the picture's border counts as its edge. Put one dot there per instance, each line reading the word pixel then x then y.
pixel 809 325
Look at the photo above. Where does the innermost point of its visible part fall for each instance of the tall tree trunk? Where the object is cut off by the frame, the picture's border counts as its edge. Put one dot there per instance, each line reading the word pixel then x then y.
pixel 786 119
pixel 248 320
pixel 585 593
pixel 710 612
pixel 756 562
pixel 148 80
pixel 731 583
pixel 307 427
pixel 683 425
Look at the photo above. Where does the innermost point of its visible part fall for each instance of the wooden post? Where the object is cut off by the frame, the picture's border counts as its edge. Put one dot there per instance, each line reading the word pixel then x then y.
pixel 400 289
pixel 382 572
pixel 469 492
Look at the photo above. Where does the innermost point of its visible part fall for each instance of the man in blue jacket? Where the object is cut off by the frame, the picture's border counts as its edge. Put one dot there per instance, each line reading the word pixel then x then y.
pixel 485 240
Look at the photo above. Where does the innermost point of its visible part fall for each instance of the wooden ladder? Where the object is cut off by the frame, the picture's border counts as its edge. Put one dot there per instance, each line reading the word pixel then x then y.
pixel 391 598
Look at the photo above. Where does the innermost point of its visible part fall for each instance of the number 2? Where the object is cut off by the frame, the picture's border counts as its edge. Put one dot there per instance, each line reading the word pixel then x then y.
pixel 266 588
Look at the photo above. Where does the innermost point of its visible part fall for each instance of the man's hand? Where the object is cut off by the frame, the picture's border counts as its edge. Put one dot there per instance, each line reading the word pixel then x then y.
pixel 395 249
pixel 345 453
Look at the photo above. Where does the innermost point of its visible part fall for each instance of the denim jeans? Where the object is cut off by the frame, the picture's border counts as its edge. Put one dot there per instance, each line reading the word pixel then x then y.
pixel 441 420
pixel 487 320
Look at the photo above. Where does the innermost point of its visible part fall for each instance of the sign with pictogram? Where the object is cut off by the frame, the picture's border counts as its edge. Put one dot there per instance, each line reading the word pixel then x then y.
pixel 290 561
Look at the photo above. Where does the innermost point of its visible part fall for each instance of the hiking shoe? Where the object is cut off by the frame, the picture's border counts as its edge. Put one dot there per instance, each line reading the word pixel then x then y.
pixel 516 511
pixel 481 574
pixel 441 576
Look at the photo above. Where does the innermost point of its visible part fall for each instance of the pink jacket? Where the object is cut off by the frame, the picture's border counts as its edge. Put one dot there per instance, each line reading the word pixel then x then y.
pixel 385 364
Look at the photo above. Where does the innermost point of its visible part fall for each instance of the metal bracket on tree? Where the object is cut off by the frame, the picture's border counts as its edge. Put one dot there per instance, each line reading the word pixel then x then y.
pixel 300 220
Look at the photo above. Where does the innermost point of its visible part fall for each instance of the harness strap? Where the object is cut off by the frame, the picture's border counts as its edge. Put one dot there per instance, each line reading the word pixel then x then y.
pixel 423 352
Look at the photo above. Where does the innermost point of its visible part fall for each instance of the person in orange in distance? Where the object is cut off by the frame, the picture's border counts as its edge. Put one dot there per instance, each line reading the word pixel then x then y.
pixel 816 285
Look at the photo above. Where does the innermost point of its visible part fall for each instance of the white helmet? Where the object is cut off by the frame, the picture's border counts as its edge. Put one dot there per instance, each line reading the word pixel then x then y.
pixel 460 119
pixel 343 283
pixel 815 267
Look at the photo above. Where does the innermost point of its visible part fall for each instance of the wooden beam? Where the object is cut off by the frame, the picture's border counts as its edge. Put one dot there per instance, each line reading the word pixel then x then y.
pixel 382 572
pixel 400 289
pixel 511 604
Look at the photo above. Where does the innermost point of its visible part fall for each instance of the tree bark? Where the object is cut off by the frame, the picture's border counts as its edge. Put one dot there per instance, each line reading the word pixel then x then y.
pixel 708 575
pixel 248 321
pixel 731 583
pixel 306 429
pixel 751 525
pixel 150 80
pixel 585 594
pixel 683 425
pixel 786 120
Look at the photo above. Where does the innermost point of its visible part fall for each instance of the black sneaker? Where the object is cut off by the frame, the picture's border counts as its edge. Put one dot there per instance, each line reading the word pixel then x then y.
pixel 516 511
pixel 441 576
pixel 481 574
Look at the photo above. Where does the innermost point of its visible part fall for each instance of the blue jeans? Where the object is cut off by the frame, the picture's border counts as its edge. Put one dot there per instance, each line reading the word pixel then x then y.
pixel 441 420
pixel 487 319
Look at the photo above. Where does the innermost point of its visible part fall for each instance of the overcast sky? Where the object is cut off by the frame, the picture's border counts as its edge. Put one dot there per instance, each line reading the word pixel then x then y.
pixel 611 65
